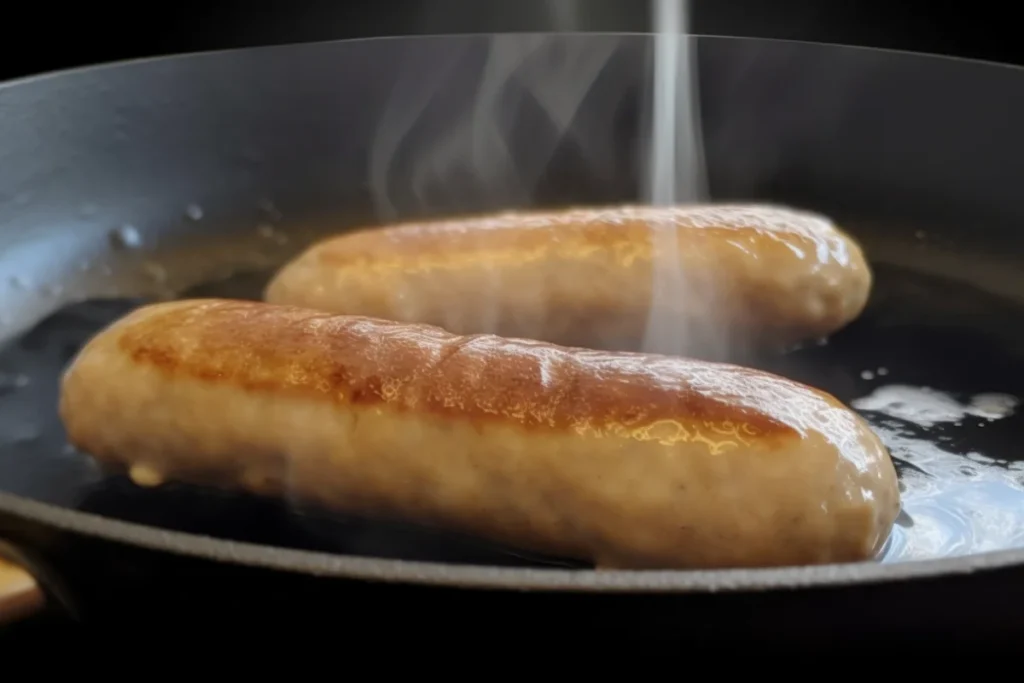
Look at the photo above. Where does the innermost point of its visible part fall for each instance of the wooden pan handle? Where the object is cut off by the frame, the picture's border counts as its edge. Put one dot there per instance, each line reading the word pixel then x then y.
pixel 20 594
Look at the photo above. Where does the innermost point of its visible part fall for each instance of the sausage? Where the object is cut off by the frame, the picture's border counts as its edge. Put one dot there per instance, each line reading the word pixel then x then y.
pixel 621 459
pixel 731 278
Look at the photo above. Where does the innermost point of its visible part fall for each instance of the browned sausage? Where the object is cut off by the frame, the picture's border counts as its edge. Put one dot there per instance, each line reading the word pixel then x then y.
pixel 728 277
pixel 626 460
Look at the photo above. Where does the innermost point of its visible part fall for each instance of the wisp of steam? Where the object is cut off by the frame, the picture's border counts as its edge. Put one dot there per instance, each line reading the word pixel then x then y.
pixel 468 161
pixel 467 158
pixel 675 175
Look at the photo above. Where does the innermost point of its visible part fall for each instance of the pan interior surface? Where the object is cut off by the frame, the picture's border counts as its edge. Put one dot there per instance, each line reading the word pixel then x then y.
pixel 197 176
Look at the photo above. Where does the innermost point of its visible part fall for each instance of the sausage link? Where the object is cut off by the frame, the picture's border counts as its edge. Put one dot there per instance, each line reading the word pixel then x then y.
pixel 730 278
pixel 621 459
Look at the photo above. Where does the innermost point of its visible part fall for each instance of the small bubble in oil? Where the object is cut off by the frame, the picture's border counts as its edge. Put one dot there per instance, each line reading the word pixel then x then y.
pixel 23 435
pixel 194 211
pixel 155 271
pixel 13 382
pixel 867 374
pixel 268 207
pixel 269 232
pixel 126 237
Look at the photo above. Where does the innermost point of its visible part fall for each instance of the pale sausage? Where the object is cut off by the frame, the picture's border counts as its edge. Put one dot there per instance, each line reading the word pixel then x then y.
pixel 730 278
pixel 620 459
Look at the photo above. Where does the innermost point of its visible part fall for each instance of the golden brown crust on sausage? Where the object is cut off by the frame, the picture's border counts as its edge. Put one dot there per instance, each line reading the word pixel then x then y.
pixel 534 234
pixel 627 460
pixel 360 361
pixel 583 277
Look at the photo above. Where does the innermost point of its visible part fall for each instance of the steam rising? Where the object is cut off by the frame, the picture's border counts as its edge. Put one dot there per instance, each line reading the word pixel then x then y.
pixel 531 96
pixel 470 159
pixel 676 175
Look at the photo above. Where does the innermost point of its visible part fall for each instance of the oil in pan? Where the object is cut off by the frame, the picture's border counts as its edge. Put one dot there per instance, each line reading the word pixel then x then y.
pixel 942 394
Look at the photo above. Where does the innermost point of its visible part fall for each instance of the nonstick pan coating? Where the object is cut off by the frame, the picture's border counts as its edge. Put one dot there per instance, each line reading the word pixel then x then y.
pixel 198 175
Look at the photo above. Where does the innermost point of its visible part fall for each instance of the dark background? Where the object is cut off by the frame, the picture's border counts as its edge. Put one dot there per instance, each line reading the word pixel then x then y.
pixel 39 37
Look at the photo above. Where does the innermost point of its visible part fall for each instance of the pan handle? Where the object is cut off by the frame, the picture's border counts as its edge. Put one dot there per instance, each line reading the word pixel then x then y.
pixel 21 596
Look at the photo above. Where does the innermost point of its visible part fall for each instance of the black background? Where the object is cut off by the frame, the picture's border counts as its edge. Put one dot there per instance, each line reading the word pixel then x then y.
pixel 42 37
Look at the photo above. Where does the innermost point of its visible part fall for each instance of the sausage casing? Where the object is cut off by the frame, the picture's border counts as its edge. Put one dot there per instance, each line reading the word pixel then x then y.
pixel 621 459
pixel 729 278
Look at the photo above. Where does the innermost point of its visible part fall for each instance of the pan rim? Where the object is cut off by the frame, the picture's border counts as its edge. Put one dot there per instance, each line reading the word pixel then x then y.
pixel 489 577
pixel 204 54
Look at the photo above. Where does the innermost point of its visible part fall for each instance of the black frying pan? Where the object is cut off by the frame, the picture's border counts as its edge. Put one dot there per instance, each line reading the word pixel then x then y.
pixel 198 175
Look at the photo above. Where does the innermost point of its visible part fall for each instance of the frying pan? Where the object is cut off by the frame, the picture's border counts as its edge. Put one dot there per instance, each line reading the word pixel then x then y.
pixel 200 174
